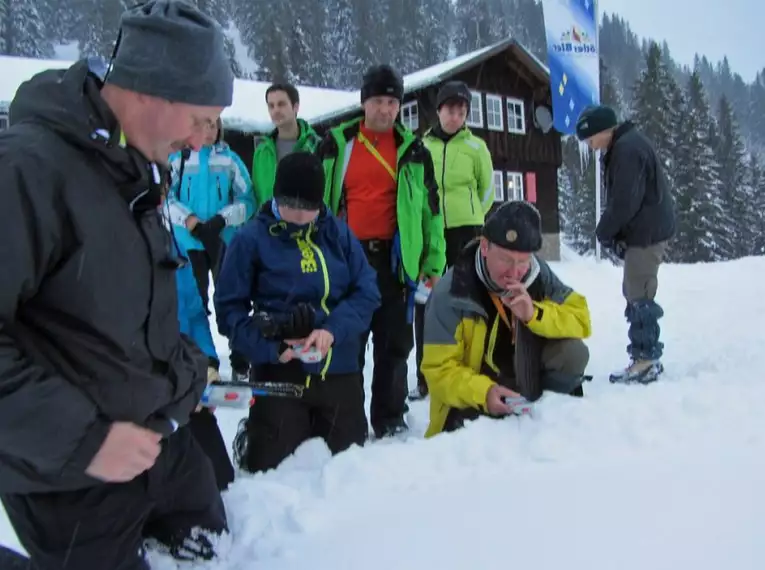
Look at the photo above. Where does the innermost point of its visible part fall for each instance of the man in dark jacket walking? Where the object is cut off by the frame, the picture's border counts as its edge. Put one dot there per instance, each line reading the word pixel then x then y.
pixel 96 381
pixel 638 220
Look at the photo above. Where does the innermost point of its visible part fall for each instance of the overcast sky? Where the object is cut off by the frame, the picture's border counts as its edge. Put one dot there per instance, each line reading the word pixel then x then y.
pixel 735 28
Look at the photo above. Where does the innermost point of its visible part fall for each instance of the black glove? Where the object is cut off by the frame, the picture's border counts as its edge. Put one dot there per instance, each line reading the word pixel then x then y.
pixel 296 324
pixel 620 249
pixel 209 234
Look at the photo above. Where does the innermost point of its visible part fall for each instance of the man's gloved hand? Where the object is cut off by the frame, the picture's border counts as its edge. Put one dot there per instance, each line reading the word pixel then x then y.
pixel 620 249
pixel 209 234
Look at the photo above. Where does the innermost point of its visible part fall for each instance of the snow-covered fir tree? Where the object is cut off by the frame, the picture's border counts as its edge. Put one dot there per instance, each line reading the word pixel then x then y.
pixel 652 105
pixel 755 183
pixel 700 235
pixel 23 30
pixel 733 174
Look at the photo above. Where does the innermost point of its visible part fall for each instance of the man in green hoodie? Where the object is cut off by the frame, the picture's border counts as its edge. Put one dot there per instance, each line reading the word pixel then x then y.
pixel 465 176
pixel 290 135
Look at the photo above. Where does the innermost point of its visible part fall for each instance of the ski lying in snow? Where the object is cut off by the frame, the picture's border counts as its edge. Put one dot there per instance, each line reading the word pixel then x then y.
pixel 220 394
pixel 12 560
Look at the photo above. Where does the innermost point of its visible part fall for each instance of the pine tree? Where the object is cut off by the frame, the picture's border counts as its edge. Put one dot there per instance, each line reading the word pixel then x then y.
pixel 96 25
pixel 733 173
pixel 653 96
pixel 265 28
pixel 343 64
pixel 700 236
pixel 23 29
pixel 756 186
pixel 473 20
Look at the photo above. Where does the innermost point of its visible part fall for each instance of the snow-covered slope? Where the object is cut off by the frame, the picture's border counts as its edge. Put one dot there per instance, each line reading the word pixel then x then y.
pixel 667 476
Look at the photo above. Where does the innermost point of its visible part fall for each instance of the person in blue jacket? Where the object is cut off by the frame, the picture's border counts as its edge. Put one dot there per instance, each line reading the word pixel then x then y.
pixel 194 323
pixel 210 198
pixel 305 278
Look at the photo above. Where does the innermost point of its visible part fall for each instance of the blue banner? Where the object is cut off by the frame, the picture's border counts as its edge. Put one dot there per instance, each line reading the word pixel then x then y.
pixel 572 55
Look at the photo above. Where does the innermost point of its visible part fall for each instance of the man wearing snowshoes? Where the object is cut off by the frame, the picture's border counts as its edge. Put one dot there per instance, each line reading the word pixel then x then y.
pixel 638 220
pixel 465 176
pixel 290 135
pixel 380 180
pixel 500 327
pixel 305 278
pixel 96 381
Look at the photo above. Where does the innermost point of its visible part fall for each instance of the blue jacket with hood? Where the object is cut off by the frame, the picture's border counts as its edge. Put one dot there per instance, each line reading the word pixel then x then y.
pixel 215 181
pixel 274 265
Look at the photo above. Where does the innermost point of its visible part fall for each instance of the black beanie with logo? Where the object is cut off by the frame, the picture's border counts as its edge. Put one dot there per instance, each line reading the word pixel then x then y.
pixel 516 226
pixel 299 181
pixel 382 80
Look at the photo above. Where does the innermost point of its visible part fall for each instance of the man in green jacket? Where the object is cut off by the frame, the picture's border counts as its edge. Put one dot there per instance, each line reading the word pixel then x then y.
pixel 465 176
pixel 290 135
pixel 379 178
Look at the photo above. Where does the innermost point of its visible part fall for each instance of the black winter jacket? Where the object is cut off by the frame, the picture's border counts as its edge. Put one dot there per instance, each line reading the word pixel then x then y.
pixel 89 330
pixel 640 210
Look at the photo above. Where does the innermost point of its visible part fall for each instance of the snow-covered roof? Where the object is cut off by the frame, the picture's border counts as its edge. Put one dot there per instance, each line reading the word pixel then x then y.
pixel 247 113
pixel 442 71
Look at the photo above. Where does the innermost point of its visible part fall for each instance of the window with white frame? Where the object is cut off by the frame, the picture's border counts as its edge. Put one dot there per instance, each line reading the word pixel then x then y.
pixel 499 186
pixel 515 186
pixel 516 117
pixel 494 120
pixel 475 113
pixel 3 121
pixel 410 115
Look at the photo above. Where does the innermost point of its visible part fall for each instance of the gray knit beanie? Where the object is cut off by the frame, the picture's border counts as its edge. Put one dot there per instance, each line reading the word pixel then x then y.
pixel 169 49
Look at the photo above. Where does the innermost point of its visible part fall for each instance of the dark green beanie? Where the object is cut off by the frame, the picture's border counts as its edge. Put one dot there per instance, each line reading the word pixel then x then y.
pixel 594 120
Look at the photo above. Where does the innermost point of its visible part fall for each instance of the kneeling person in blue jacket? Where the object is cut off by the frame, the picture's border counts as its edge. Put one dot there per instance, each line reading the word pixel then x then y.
pixel 305 276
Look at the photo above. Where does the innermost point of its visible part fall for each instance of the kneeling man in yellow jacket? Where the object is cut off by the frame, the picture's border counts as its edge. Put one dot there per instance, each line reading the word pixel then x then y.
pixel 500 323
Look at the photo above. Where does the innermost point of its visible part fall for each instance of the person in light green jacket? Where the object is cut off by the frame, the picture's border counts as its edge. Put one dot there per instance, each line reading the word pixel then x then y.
pixel 465 175
pixel 290 135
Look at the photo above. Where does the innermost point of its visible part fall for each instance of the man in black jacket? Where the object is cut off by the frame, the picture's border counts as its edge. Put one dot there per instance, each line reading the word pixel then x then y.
pixel 96 381
pixel 638 220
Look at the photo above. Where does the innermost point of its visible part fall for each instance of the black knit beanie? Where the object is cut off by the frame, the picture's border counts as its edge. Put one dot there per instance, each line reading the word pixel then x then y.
pixel 595 119
pixel 453 91
pixel 171 50
pixel 516 226
pixel 382 80
pixel 300 181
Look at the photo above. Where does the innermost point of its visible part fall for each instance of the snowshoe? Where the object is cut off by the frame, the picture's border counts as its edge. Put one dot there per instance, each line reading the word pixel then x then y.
pixel 638 372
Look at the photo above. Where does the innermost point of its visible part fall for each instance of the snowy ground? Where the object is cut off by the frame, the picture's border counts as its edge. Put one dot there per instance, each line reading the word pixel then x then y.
pixel 668 476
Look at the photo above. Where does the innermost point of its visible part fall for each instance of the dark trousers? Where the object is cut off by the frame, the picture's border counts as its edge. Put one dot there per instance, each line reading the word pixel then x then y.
pixel 639 286
pixel 456 240
pixel 204 426
pixel 103 527
pixel 203 263
pixel 393 341
pixel 331 408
